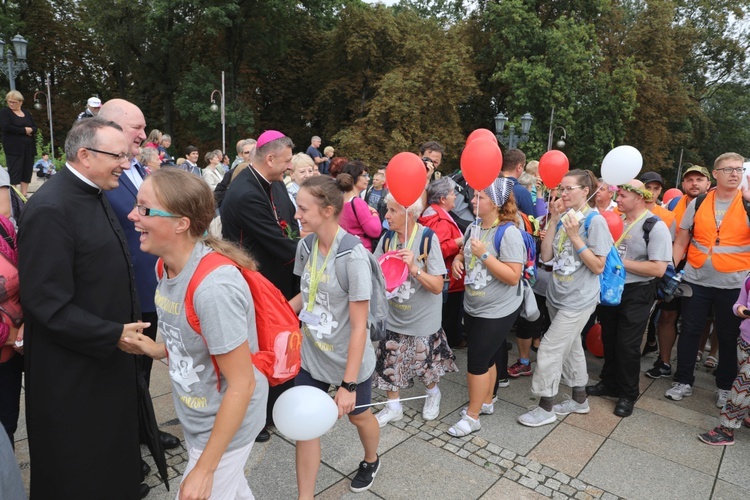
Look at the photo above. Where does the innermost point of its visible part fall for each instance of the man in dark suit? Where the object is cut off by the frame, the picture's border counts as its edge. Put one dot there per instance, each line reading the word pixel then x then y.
pixel 258 214
pixel 122 199
pixel 79 302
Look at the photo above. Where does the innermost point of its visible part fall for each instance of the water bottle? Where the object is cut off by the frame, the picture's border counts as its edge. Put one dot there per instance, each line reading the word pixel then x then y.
pixel 671 287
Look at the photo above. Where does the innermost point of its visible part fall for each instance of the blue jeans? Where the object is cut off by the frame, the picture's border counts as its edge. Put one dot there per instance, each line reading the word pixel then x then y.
pixel 694 311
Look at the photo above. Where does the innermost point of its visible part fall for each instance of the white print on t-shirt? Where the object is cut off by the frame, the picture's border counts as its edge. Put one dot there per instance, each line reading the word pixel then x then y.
pixel 481 277
pixel 566 262
pixel 404 292
pixel 181 368
pixel 320 309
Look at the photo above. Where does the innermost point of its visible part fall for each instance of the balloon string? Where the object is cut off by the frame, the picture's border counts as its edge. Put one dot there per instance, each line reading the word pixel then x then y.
pixel 476 222
pixel 589 199
pixel 389 401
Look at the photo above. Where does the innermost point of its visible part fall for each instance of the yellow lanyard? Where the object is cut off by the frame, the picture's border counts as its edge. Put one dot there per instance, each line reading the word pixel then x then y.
pixel 473 261
pixel 622 236
pixel 394 241
pixel 315 275
pixel 564 235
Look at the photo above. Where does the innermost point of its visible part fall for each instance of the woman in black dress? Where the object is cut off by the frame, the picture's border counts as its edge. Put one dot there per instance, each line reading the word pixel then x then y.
pixel 18 140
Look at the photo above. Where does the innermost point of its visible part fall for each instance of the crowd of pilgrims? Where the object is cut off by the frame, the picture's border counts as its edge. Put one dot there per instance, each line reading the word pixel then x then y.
pixel 463 288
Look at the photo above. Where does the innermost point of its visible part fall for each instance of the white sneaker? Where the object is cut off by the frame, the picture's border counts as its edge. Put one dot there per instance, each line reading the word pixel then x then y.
pixel 722 395
pixel 571 406
pixel 431 408
pixel 537 417
pixel 487 409
pixel 464 427
pixel 388 415
pixel 678 391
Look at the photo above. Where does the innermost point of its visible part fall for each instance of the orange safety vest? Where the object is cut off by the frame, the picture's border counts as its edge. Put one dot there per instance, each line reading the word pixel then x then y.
pixel 665 215
pixel 679 209
pixel 728 245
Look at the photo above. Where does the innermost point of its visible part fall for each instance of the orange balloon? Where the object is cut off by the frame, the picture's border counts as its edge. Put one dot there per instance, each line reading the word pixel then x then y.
pixel 594 341
pixel 481 133
pixel 481 162
pixel 406 176
pixel 553 165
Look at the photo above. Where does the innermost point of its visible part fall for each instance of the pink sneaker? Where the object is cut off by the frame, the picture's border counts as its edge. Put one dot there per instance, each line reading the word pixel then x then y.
pixel 519 369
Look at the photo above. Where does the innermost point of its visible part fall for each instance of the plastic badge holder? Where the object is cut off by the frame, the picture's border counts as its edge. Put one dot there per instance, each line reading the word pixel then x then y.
pixel 394 269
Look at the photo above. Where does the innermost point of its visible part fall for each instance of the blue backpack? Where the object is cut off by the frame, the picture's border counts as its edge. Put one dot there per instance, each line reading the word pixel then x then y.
pixel 612 279
pixel 529 267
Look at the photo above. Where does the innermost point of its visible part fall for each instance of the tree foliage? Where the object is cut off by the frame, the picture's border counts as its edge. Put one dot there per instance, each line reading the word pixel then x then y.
pixel 662 75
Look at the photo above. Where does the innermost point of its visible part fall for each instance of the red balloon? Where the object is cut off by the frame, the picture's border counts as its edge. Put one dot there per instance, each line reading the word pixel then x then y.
pixel 481 162
pixel 614 222
pixel 594 341
pixel 406 177
pixel 553 165
pixel 481 133
pixel 671 194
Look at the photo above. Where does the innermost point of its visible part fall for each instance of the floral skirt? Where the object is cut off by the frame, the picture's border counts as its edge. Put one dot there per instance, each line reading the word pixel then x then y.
pixel 400 358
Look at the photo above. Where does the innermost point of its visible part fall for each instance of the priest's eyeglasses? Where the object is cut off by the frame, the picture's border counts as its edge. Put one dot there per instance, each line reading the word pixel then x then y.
pixel 152 212
pixel 117 156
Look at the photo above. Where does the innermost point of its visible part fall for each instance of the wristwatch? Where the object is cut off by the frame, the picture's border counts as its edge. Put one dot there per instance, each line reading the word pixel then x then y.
pixel 349 386
pixel 484 256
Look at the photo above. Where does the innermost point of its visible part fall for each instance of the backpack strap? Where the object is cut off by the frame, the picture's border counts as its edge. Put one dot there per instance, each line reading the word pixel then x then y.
pixel 7 237
pixel 499 235
pixel 425 245
pixel 386 241
pixel 648 225
pixel 587 222
pixel 346 245
pixel 207 264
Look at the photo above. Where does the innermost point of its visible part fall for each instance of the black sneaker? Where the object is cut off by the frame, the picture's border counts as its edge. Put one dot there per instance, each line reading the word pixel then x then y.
pixel 365 476
pixel 659 370
pixel 717 437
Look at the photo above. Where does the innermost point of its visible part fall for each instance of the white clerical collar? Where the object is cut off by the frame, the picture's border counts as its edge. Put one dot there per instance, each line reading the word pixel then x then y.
pixel 133 174
pixel 81 176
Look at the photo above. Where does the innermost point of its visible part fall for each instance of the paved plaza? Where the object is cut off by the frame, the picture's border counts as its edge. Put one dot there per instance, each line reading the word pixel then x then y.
pixel 652 454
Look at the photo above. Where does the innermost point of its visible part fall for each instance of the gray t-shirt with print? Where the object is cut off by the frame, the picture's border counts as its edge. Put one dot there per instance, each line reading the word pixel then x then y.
pixel 225 308
pixel 573 286
pixel 488 297
pixel 414 310
pixel 707 275
pixel 326 346
pixel 632 246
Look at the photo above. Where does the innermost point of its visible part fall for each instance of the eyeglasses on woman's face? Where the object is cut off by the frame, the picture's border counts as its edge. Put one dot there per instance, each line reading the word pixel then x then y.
pixel 145 211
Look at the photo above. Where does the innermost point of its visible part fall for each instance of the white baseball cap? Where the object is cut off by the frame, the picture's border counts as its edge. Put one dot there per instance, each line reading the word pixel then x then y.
pixel 94 102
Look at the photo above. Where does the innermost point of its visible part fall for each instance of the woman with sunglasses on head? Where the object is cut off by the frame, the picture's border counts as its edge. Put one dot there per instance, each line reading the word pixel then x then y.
pixel 577 257
pixel 492 300
pixel 221 410
pixel 336 350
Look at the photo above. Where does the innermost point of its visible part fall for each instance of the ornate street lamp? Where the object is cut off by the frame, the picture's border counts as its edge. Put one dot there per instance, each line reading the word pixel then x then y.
pixel 13 64
pixel 216 108
pixel 512 140
pixel 38 105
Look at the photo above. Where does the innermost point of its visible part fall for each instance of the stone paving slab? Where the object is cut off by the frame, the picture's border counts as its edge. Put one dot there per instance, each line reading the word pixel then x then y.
pixel 631 473
pixel 600 420
pixel 567 448
pixel 735 466
pixel 727 491
pixel 420 470
pixel 506 488
pixel 668 439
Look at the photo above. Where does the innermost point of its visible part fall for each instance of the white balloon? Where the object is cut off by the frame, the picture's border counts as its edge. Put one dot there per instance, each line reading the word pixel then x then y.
pixel 304 412
pixel 621 165
pixel 743 184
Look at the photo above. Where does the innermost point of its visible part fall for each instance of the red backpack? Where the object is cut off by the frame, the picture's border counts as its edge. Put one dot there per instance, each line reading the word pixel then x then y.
pixel 279 336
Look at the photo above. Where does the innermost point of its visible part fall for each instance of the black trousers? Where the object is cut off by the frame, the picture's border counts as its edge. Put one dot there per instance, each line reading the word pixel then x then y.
pixel 694 312
pixel 10 393
pixel 622 333
pixel 453 311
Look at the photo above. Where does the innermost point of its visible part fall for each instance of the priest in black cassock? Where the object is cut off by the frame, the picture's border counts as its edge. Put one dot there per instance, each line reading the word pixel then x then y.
pixel 79 300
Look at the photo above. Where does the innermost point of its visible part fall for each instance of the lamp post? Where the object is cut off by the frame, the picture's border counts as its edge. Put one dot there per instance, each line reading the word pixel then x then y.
pixel 14 65
pixel 512 140
pixel 559 144
pixel 38 105
pixel 215 108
